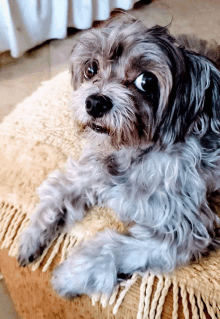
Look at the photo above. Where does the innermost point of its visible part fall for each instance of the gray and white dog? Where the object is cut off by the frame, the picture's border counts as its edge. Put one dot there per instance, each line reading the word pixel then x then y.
pixel 151 110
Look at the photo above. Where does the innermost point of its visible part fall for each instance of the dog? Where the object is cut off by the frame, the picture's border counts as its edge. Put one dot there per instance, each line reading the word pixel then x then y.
pixel 149 104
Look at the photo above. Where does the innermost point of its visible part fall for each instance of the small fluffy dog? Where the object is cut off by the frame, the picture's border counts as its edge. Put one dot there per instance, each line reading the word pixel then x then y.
pixel 151 109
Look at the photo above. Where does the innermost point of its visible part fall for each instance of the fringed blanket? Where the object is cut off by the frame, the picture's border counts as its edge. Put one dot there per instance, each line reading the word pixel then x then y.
pixel 36 138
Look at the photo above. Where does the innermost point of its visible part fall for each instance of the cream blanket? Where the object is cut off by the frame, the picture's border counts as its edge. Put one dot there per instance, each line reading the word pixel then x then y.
pixel 36 138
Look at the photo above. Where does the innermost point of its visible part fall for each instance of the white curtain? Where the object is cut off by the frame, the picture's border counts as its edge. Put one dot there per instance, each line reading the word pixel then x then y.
pixel 27 23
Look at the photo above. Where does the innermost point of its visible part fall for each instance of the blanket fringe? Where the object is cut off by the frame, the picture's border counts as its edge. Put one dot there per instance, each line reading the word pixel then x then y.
pixel 153 289
pixel 164 293
pixel 121 296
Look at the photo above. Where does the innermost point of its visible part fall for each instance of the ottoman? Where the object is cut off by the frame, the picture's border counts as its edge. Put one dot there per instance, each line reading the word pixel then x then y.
pixel 35 139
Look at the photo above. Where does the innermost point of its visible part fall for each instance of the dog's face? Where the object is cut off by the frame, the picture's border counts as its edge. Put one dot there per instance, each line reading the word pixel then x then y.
pixel 135 86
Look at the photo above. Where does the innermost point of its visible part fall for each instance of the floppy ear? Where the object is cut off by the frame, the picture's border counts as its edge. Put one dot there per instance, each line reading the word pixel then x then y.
pixel 194 102
pixel 212 101
pixel 161 32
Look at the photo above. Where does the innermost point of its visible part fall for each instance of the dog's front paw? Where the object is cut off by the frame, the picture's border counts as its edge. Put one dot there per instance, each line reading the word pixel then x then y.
pixel 30 247
pixel 88 271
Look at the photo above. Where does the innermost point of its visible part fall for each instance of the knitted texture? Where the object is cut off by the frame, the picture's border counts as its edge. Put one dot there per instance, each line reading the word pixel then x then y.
pixel 36 138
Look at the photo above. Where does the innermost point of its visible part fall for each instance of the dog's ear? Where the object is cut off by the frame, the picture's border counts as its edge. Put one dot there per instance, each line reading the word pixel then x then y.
pixel 211 108
pixel 161 32
pixel 194 102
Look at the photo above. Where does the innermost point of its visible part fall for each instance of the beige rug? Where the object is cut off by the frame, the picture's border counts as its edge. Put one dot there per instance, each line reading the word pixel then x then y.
pixel 36 138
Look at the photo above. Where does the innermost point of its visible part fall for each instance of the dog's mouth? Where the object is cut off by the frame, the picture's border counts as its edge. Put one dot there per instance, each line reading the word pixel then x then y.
pixel 98 128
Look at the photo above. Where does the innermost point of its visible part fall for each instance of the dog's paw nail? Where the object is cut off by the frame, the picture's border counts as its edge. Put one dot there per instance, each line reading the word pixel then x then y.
pixel 122 277
pixel 31 258
pixel 21 262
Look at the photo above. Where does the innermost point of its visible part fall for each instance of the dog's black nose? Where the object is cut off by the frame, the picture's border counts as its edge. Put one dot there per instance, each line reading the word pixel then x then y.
pixel 98 105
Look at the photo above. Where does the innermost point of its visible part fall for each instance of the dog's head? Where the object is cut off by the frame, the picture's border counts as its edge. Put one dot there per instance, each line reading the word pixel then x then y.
pixel 137 86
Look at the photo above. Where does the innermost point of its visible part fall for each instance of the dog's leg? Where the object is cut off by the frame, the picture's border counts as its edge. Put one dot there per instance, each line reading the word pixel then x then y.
pixel 64 199
pixel 94 266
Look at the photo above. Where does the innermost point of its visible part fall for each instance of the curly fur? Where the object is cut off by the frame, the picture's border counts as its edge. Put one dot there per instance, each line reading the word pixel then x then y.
pixel 154 159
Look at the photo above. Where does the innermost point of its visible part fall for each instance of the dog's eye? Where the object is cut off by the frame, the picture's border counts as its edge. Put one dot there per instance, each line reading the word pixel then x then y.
pixel 91 69
pixel 146 82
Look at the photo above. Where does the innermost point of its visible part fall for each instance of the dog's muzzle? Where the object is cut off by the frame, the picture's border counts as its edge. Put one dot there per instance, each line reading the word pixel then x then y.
pixel 98 105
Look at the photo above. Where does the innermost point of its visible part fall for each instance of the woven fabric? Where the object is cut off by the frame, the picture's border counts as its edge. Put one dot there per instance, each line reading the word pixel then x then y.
pixel 36 138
